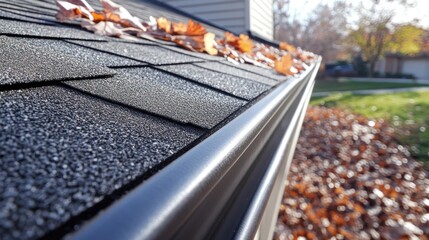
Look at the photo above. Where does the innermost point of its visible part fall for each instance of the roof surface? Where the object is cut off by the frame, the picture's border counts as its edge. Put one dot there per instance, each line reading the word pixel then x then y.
pixel 84 118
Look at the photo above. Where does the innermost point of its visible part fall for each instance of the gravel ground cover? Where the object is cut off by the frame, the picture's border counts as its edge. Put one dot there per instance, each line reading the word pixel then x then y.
pixel 350 179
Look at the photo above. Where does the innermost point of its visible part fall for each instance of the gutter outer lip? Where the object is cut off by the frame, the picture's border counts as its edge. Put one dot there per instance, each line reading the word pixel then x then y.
pixel 157 207
pixel 251 220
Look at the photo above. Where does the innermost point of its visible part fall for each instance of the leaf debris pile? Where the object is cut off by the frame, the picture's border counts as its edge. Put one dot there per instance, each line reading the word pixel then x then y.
pixel 350 180
pixel 115 21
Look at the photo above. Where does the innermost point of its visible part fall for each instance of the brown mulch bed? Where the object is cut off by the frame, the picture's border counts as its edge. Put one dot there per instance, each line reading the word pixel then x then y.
pixel 350 179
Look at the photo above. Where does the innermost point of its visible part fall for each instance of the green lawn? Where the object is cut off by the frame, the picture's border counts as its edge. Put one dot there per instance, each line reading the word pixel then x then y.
pixel 346 85
pixel 407 112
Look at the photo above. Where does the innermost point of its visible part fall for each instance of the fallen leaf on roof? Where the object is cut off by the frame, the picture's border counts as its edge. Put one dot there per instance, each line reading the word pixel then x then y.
pixel 245 44
pixel 193 43
pixel 195 29
pixel 120 15
pixel 73 9
pixel 287 47
pixel 179 28
pixel 164 24
pixel 209 44
pixel 284 65
pixel 108 29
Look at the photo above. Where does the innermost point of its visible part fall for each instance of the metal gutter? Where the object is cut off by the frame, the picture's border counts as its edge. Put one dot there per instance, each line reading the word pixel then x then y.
pixel 220 188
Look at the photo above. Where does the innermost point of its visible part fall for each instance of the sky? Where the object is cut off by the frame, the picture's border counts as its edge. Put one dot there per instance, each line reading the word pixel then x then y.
pixel 421 10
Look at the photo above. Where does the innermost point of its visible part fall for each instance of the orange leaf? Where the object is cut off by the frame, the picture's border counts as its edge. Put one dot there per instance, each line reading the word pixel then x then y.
pixel 195 29
pixel 287 47
pixel 284 64
pixel 97 17
pixel 193 43
pixel 118 14
pixel 209 41
pixel 73 9
pixel 164 24
pixel 230 38
pixel 245 44
pixel 179 28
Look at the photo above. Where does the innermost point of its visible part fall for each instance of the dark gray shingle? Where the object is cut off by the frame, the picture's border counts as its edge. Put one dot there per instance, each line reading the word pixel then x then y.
pixel 270 73
pixel 23 62
pixel 225 68
pixel 11 27
pixel 84 54
pixel 146 53
pixel 62 152
pixel 234 85
pixel 12 14
pixel 163 94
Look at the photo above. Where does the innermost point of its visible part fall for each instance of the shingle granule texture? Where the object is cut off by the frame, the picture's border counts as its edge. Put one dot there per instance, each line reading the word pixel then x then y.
pixel 84 54
pixel 163 94
pixel 11 27
pixel 237 86
pixel 204 56
pixel 31 6
pixel 259 70
pixel 145 53
pixel 10 14
pixel 23 62
pixel 61 152
pixel 224 68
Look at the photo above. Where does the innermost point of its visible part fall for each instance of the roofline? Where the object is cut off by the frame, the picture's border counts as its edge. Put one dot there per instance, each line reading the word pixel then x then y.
pixel 227 180
pixel 262 39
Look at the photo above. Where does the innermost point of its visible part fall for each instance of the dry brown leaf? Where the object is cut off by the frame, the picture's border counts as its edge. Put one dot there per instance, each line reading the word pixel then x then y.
pixel 98 17
pixel 195 29
pixel 164 24
pixel 73 9
pixel 193 43
pixel 230 38
pixel 117 13
pixel 209 41
pixel 179 28
pixel 284 65
pixel 108 29
pixel 287 47
pixel 245 44
pixel 241 43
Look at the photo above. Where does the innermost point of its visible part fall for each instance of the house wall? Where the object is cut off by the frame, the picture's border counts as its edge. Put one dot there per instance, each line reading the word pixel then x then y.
pixel 261 18
pixel 418 67
pixel 237 16
pixel 229 14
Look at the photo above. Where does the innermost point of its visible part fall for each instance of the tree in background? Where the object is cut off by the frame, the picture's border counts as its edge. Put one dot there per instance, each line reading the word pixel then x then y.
pixel 375 34
pixel 407 39
pixel 367 32
pixel 322 32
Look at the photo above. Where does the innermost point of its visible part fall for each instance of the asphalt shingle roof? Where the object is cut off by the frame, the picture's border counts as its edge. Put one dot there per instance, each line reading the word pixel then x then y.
pixel 145 53
pixel 224 67
pixel 25 62
pixel 234 85
pixel 163 94
pixel 63 151
pixel 82 119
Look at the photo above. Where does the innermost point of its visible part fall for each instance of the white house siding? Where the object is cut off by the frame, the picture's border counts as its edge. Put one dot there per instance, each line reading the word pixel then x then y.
pixel 418 67
pixel 237 16
pixel 261 18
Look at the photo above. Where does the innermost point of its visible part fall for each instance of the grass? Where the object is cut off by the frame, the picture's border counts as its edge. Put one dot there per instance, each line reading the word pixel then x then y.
pixel 346 85
pixel 407 112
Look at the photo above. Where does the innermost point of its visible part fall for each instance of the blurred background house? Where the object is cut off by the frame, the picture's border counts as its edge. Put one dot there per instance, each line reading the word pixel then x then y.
pixel 403 66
